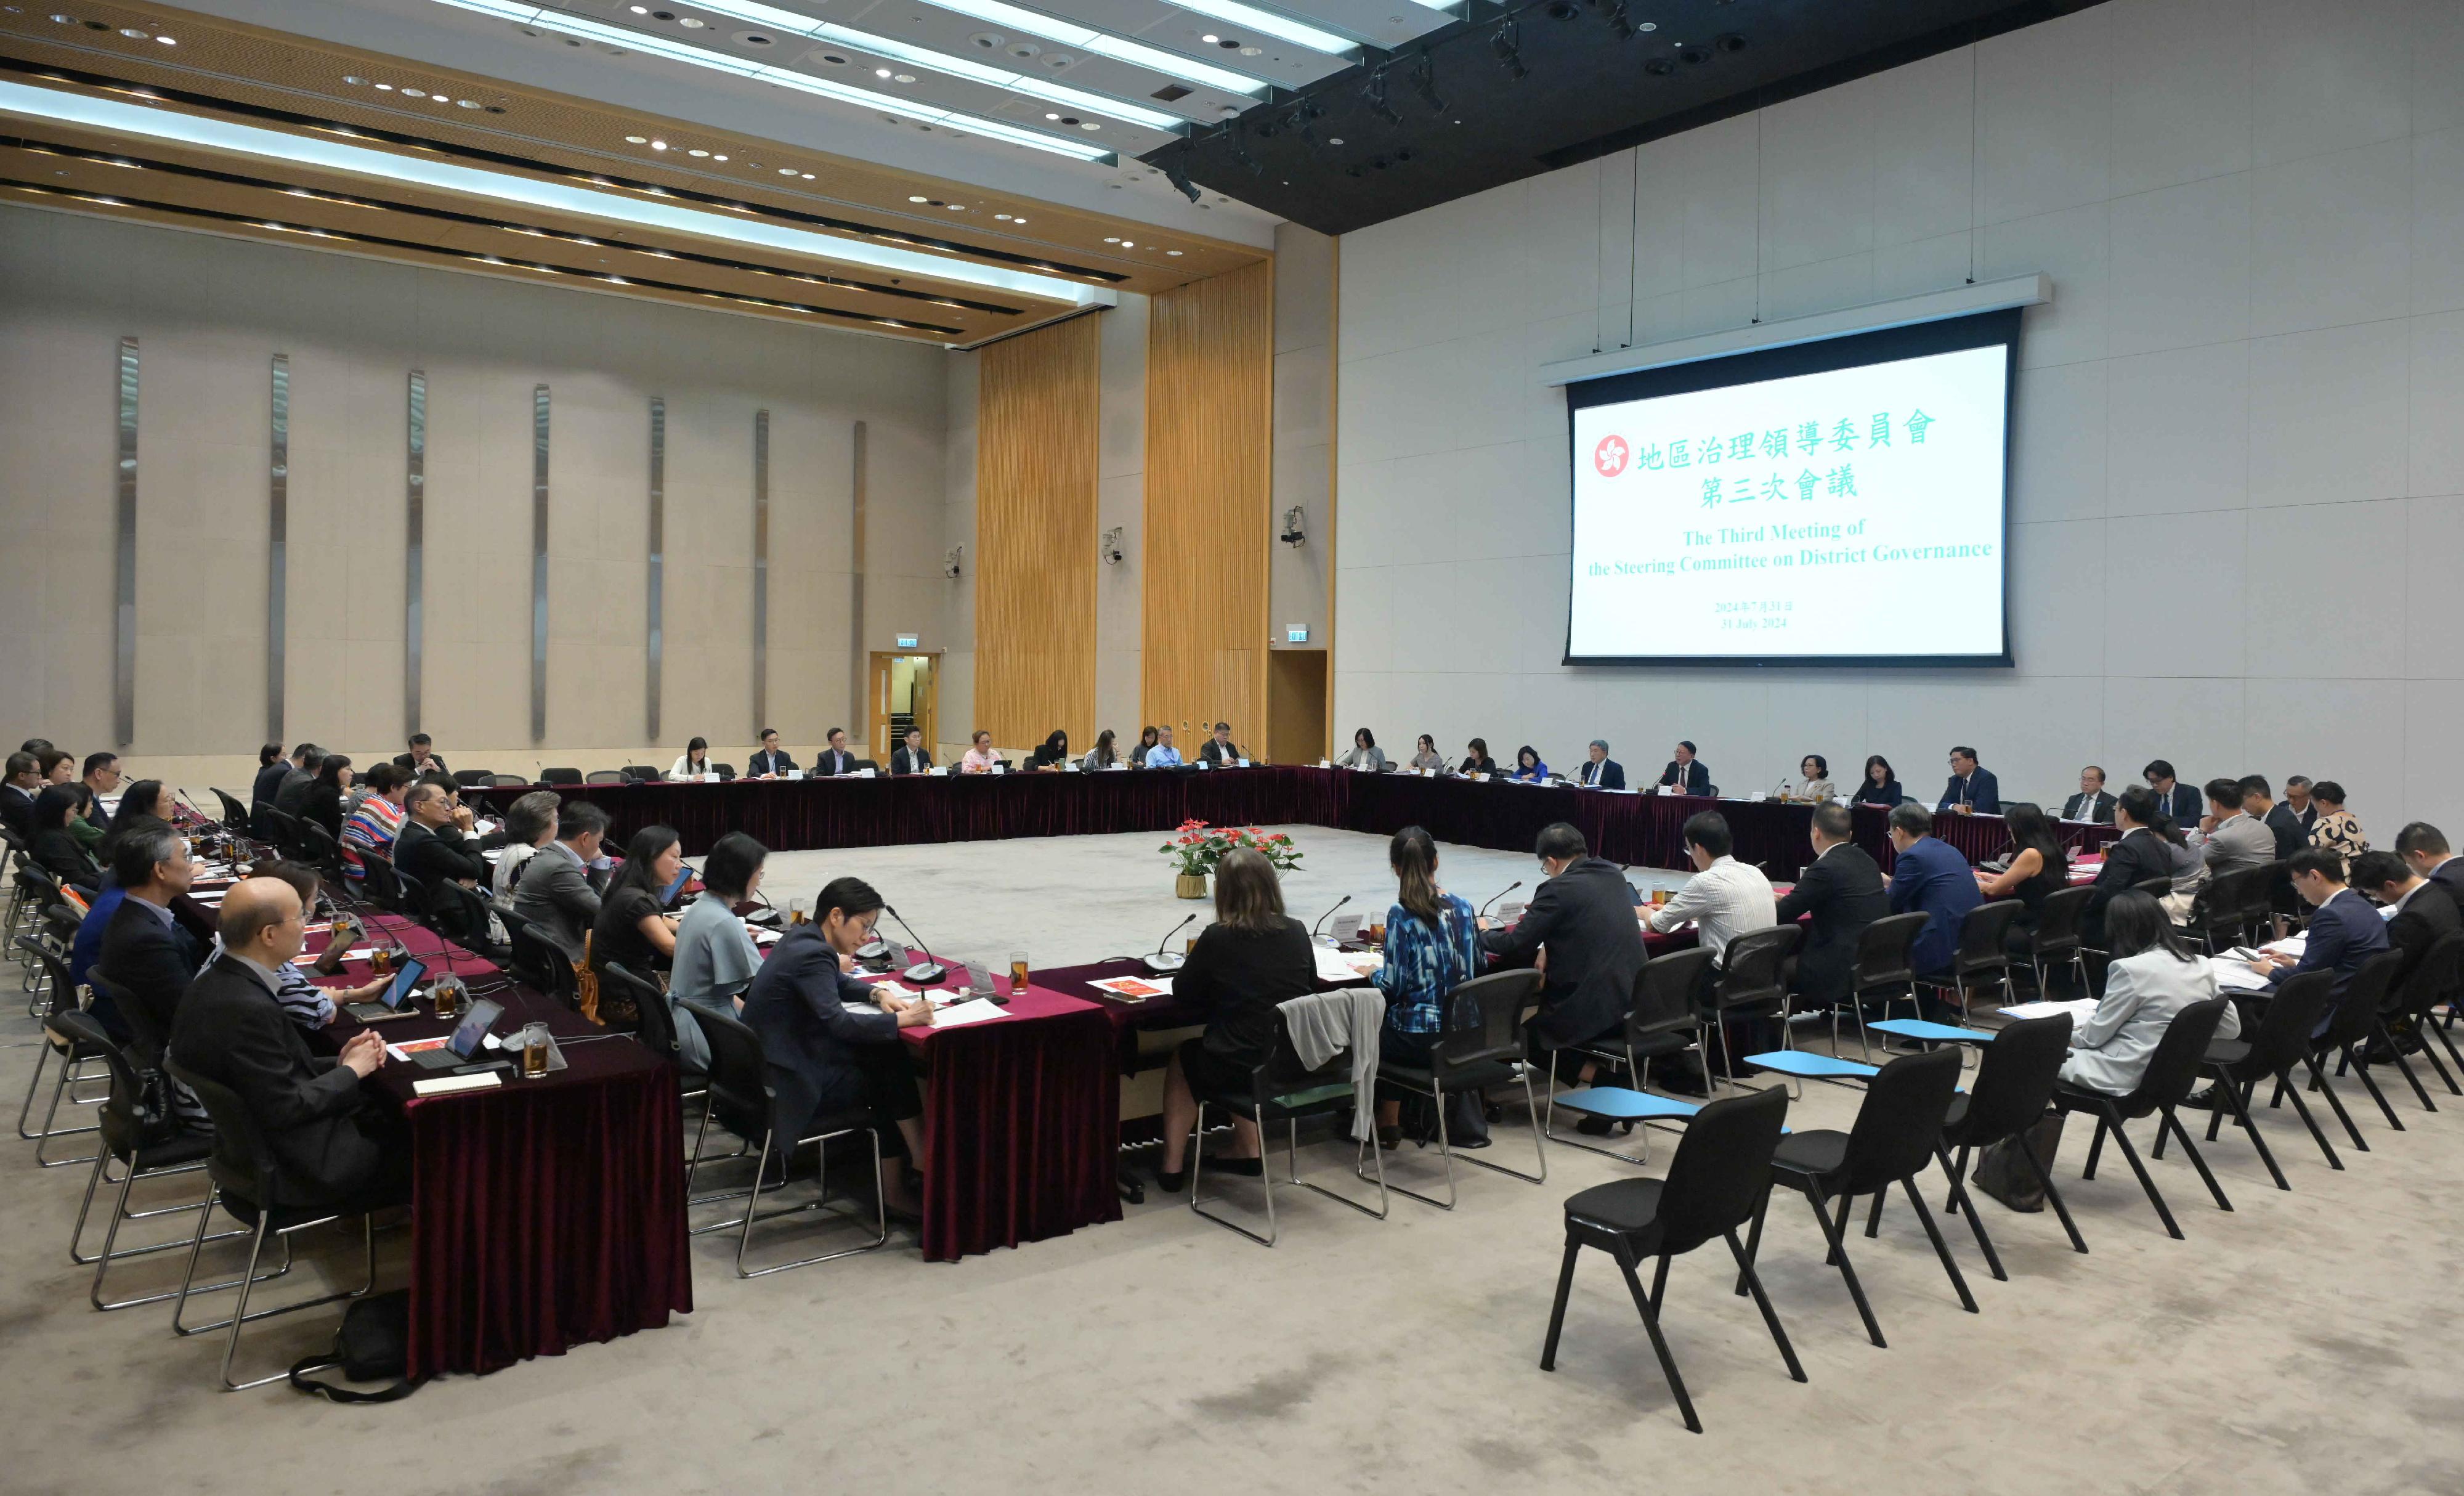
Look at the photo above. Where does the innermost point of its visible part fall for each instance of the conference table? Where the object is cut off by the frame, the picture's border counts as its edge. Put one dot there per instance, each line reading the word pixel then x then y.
pixel 1635 829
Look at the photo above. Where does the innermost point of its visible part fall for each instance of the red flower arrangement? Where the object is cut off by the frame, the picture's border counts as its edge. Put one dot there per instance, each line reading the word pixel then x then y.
pixel 1200 847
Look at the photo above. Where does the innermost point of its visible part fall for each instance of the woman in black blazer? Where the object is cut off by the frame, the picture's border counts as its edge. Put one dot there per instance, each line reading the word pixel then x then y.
pixel 1478 760
pixel 1252 958
pixel 54 847
pixel 1882 787
pixel 323 801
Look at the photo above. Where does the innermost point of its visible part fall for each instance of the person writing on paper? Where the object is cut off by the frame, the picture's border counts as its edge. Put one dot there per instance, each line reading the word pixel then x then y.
pixel 693 763
pixel 835 758
pixel 1528 767
pixel 1365 753
pixel 1476 758
pixel 1251 959
pixel 2040 866
pixel 633 928
pixel 769 761
pixel 832 1042
pixel 2092 803
pixel 1432 947
pixel 910 756
pixel 1102 756
pixel 1838 895
pixel 2152 978
pixel 1814 772
pixel 2229 838
pixel 1051 754
pixel 2343 929
pixel 1146 745
pixel 1971 790
pixel 1163 755
pixel 230 1029
pixel 2419 912
pixel 1600 771
pixel 715 957
pixel 1685 774
pixel 1425 757
pixel 1724 897
pixel 981 758
pixel 1218 749
pixel 1880 786
pixel 2424 849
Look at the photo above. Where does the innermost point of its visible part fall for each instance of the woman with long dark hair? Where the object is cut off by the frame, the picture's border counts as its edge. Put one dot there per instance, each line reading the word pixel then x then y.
pixel 633 926
pixel 1148 737
pixel 1102 756
pixel 56 847
pixel 1476 758
pixel 1052 752
pixel 1252 958
pixel 1432 947
pixel 1528 767
pixel 1425 757
pixel 694 762
pixel 2039 866
pixel 1882 786
pixel 322 803
pixel 2152 978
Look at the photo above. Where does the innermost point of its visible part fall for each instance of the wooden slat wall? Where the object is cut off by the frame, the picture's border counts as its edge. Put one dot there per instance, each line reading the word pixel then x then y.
pixel 1035 536
pixel 1209 475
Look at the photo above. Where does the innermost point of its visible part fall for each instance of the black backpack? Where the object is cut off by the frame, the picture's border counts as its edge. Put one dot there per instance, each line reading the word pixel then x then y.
pixel 373 1345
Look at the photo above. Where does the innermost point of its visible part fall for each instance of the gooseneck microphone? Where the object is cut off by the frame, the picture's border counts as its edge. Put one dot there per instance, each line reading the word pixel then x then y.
pixel 926 970
pixel 1499 894
pixel 1163 960
pixel 1329 914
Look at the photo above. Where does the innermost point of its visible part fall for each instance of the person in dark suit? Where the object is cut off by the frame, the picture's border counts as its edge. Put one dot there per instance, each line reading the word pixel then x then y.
pixel 422 758
pixel 290 797
pixel 2297 799
pixel 769 761
pixel 2139 854
pixel 1051 754
pixel 2091 804
pixel 2423 846
pixel 1686 774
pixel 17 793
pixel 1880 786
pixel 145 953
pixel 1930 876
pixel 1220 751
pixel 560 892
pixel 1600 771
pixel 2421 912
pixel 323 803
pixel 233 1030
pixel 277 774
pixel 436 847
pixel 835 758
pixel 2343 929
pixel 270 770
pixel 1843 891
pixel 101 778
pixel 2175 798
pixel 1583 917
pixel 832 1042
pixel 54 847
pixel 911 757
pixel 1973 790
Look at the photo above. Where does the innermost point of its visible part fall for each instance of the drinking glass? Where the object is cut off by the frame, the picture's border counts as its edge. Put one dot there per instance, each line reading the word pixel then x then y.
pixel 443 994
pixel 533 1052
pixel 799 909
pixel 1018 973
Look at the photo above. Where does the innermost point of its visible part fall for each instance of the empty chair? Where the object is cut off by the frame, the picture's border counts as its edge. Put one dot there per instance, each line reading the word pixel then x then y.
pixel 59 1042
pixel 2279 1040
pixel 506 780
pixel 658 1028
pixel 2015 1075
pixel 724 771
pixel 1884 968
pixel 642 774
pixel 1283 1089
pixel 1981 958
pixel 318 849
pixel 1480 1045
pixel 560 776
pixel 2056 939
pixel 537 961
pixel 742 1100
pixel 382 887
pixel 2170 1072
pixel 475 778
pixel 608 777
pixel 1660 1022
pixel 1717 1181
pixel 1898 1131
pixel 467 911
pixel 2219 915
pixel 1752 983
pixel 234 813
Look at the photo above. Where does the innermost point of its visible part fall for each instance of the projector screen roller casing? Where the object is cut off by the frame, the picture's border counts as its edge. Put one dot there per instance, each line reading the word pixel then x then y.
pixel 1839 503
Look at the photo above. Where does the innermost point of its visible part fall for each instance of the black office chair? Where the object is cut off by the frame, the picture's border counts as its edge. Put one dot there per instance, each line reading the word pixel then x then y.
pixel 726 772
pixel 61 1043
pixel 2279 1040
pixel 2409 1002
pixel 2015 1087
pixel 1717 1181
pixel 251 1187
pixel 379 885
pixel 2056 939
pixel 2259 911
pixel 608 777
pixel 1898 1131
pixel 283 829
pixel 2153 888
pixel 509 782
pixel 2356 1018
pixel 318 849
pixel 465 913
pixel 2219 915
pixel 2435 981
pixel 1659 1024
pixel 642 774
pixel 1886 967
pixel 475 778
pixel 560 776
pixel 234 813
pixel 1982 957
pixel 1482 1045
pixel 1284 1089
pixel 539 963
pixel 658 1023
pixel 742 1100
pixel 2171 1070
pixel 124 1141
pixel 1752 984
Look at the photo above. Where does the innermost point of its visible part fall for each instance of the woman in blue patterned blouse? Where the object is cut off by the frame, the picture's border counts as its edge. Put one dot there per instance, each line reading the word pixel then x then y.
pixel 1432 947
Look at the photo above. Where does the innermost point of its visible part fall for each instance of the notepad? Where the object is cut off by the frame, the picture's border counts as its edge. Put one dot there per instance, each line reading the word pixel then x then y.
pixel 445 1084
pixel 975 1012
pixel 2079 1008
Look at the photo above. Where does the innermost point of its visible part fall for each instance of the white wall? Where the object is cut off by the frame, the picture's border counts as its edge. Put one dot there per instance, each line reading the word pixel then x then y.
pixel 2239 428
pixel 211 312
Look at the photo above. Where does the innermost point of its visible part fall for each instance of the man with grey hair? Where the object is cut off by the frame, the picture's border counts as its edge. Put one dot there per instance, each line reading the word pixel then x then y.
pixel 1600 771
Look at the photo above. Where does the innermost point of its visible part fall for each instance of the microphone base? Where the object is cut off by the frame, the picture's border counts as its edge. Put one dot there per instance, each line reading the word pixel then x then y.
pixel 926 972
pixel 872 951
pixel 1162 962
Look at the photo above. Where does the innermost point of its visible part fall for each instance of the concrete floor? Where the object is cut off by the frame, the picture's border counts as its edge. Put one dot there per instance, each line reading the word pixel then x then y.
pixel 2306 1342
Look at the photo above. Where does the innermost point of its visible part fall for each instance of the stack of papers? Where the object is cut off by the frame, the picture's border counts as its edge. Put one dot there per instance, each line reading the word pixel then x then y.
pixel 973 1012
pixel 2234 975
pixel 2079 1008
pixel 1346 967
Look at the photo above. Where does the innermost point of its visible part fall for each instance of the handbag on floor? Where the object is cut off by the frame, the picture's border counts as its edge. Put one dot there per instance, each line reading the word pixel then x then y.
pixel 2001 1173
pixel 1466 1122
pixel 373 1345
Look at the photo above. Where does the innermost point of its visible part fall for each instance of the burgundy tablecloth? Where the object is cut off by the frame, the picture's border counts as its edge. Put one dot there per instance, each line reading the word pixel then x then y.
pixel 1642 830
pixel 547 1213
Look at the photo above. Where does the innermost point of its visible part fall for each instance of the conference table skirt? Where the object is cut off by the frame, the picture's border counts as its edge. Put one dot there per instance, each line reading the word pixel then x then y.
pixel 1645 830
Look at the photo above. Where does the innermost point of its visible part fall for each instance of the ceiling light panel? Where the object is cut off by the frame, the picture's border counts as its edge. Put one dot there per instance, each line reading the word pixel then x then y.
pixel 674 51
pixel 1116 43
pixel 118 117
pixel 1269 23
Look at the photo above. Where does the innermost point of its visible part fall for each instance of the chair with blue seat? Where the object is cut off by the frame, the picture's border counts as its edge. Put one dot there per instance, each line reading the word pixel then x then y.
pixel 1658 1024
pixel 1896 1135
pixel 1482 1045
pixel 1284 1089
pixel 1981 958
pixel 1717 1181
pixel 1752 984
pixel 1884 969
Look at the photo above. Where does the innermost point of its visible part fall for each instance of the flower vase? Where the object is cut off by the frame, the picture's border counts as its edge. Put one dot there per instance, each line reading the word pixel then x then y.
pixel 1189 885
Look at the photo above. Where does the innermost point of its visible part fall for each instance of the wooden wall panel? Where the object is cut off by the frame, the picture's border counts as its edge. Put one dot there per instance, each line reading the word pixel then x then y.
pixel 1209 487
pixel 1035 536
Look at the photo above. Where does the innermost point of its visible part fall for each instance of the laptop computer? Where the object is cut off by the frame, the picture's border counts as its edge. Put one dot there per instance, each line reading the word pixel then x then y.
pixel 395 1001
pixel 468 1038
